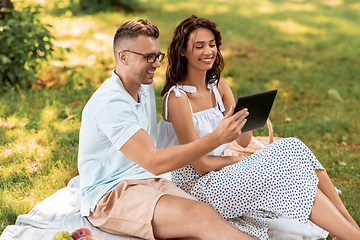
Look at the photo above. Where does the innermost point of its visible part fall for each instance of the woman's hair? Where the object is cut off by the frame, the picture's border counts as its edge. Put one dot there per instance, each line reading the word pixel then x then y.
pixel 177 68
pixel 130 30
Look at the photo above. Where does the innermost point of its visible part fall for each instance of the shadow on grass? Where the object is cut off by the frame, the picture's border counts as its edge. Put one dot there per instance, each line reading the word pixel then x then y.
pixel 307 50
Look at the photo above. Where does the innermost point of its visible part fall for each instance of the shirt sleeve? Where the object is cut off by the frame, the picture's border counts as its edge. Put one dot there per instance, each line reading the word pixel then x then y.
pixel 118 121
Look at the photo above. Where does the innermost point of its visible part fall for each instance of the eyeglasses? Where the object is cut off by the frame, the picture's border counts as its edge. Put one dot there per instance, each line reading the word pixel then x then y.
pixel 150 58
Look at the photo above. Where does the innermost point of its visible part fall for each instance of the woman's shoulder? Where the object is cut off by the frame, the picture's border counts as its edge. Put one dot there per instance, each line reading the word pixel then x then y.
pixel 222 86
pixel 177 105
pixel 177 97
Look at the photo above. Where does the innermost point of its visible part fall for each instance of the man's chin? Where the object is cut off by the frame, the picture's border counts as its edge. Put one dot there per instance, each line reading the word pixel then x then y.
pixel 148 82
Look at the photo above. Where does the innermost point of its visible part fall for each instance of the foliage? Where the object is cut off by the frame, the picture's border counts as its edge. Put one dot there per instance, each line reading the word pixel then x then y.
pixel 24 41
pixel 92 6
pixel 81 7
pixel 308 50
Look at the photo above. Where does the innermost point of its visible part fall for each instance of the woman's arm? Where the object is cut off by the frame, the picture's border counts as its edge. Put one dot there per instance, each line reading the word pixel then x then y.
pixel 179 114
pixel 228 100
pixel 158 161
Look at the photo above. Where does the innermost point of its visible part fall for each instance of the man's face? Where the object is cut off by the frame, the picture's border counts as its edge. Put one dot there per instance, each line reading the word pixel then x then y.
pixel 140 70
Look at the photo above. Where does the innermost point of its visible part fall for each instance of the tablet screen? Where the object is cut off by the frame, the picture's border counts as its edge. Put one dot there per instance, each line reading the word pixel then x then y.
pixel 259 106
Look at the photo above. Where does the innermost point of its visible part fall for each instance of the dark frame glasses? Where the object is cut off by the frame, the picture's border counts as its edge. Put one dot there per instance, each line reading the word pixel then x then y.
pixel 150 58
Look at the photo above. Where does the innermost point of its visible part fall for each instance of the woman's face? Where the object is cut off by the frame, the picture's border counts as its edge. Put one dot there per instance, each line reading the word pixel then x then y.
pixel 201 50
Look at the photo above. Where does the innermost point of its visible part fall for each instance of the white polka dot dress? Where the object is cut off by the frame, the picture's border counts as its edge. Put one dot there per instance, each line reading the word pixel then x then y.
pixel 279 178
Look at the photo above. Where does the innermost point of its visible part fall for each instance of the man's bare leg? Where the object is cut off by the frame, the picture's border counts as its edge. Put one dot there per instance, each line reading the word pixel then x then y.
pixel 177 217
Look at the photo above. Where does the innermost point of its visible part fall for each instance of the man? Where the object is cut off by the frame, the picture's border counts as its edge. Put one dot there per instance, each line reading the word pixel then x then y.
pixel 121 186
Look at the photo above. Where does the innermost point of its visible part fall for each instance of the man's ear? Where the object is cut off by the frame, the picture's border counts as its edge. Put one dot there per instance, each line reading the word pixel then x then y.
pixel 123 57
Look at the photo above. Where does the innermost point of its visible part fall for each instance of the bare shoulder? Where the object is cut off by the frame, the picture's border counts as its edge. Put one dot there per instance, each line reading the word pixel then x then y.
pixel 178 106
pixel 177 100
pixel 223 87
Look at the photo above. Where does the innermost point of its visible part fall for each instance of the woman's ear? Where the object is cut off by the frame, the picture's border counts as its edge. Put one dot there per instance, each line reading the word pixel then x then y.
pixel 182 53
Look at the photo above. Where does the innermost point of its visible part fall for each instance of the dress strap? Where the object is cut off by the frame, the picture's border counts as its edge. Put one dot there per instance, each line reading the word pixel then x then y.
pixel 219 102
pixel 177 88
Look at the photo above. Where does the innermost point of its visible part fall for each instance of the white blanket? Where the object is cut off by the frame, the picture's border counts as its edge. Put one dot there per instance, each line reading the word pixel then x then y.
pixel 61 212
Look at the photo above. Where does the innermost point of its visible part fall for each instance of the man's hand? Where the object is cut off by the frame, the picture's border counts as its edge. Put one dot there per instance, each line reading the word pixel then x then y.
pixel 230 127
pixel 159 161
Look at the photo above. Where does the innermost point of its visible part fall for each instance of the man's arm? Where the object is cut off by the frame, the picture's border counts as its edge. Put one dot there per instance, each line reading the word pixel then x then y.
pixel 140 148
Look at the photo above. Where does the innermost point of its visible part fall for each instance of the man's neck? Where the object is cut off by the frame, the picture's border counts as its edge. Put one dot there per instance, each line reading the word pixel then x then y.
pixel 132 88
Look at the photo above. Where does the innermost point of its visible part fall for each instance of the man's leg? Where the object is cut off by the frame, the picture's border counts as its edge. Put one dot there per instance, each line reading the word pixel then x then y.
pixel 176 217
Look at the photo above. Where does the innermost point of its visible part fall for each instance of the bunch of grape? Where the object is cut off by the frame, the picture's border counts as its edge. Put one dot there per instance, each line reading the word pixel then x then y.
pixel 78 234
pixel 62 235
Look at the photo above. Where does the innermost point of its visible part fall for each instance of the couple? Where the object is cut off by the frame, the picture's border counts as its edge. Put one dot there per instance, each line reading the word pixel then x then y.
pixel 213 196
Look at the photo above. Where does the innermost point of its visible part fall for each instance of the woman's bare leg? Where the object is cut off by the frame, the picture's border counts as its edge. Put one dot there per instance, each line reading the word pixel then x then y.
pixel 326 186
pixel 327 216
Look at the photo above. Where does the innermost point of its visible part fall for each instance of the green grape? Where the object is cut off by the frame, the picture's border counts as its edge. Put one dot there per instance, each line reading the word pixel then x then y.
pixel 62 235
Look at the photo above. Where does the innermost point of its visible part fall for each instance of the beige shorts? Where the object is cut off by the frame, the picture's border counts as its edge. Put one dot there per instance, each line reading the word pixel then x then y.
pixel 128 209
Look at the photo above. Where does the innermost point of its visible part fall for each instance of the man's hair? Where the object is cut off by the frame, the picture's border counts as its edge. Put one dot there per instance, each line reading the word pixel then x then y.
pixel 131 30
pixel 177 63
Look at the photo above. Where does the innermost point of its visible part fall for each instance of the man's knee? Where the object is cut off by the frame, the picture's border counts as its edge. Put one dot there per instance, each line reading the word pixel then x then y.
pixel 201 212
pixel 177 217
pixel 187 209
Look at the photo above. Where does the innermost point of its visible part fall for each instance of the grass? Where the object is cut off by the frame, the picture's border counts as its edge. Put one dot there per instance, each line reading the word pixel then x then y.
pixel 308 50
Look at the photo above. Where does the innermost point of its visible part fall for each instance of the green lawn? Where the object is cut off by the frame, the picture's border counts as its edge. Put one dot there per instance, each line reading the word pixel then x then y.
pixel 309 50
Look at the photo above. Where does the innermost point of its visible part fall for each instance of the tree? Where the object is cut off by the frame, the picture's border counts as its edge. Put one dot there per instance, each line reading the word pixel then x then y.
pixel 5 4
pixel 24 42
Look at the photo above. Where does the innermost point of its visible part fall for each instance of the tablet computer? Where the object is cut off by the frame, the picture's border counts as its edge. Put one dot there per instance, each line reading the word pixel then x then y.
pixel 259 106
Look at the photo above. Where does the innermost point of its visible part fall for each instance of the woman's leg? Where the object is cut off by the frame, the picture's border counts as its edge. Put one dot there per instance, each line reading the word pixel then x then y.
pixel 328 189
pixel 325 184
pixel 327 216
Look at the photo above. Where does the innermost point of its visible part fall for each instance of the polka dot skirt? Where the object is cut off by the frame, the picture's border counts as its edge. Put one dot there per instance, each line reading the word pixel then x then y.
pixel 279 178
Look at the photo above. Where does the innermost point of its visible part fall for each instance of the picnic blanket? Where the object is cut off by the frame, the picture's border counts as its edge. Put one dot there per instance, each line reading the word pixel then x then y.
pixel 61 212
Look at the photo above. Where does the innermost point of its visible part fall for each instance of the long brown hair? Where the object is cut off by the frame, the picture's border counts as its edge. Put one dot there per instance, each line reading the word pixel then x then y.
pixel 177 68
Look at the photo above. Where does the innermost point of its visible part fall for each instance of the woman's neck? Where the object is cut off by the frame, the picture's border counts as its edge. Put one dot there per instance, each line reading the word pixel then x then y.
pixel 196 79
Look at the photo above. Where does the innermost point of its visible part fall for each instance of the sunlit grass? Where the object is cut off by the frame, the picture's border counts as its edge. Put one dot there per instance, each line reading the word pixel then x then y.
pixel 308 50
pixel 38 151
pixel 290 27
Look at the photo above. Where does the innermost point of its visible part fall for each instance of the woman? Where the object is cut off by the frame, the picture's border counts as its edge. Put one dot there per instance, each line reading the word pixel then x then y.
pixel 284 177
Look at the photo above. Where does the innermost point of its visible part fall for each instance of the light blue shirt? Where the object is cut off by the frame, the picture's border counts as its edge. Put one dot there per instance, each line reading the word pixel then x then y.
pixel 109 119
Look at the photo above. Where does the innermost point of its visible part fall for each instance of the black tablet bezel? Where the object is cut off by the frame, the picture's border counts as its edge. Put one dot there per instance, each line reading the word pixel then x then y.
pixel 259 106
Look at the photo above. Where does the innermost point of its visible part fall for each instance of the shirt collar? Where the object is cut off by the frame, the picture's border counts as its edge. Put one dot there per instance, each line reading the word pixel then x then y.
pixel 143 94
